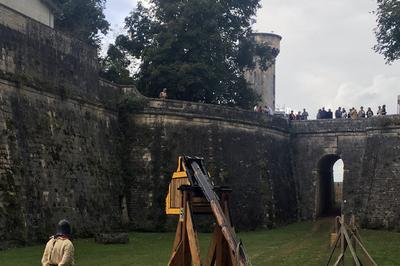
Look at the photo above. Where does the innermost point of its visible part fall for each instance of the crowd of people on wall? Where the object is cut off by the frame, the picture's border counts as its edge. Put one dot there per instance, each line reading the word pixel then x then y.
pixel 299 116
pixel 341 113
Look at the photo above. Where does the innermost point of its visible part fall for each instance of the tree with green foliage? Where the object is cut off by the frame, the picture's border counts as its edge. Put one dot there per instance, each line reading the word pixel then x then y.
pixel 83 19
pixel 115 66
pixel 388 29
pixel 198 49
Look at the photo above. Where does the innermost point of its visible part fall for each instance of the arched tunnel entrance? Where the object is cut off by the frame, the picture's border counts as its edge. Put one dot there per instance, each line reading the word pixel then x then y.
pixel 329 189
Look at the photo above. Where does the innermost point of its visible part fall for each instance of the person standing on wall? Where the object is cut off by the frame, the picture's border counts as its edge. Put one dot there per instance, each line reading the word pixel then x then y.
pixel 304 115
pixel 383 112
pixel 319 114
pixel 338 113
pixel 379 112
pixel 292 116
pixel 329 114
pixel 59 249
pixel 361 113
pixel 163 94
pixel 298 116
pixel 324 113
pixel 353 113
pixel 370 113
pixel 344 113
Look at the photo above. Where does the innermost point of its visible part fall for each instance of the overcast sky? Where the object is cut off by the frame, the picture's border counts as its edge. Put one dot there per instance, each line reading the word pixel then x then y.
pixel 326 54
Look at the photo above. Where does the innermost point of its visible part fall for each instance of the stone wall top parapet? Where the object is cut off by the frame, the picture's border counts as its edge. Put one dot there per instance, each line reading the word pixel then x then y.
pixel 215 112
pixel 345 125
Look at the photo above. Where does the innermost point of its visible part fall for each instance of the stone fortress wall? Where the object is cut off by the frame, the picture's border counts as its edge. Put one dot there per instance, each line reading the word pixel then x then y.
pixel 58 134
pixel 248 151
pixel 370 150
pixel 72 145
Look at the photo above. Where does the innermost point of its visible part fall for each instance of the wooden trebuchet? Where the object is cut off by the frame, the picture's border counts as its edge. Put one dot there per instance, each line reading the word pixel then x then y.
pixel 349 236
pixel 191 192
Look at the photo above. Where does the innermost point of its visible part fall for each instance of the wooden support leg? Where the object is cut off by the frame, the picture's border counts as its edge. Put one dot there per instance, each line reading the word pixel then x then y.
pixel 368 256
pixel 178 236
pixel 353 253
pixel 223 257
pixel 225 207
pixel 224 249
pixel 186 259
pixel 349 237
pixel 220 251
pixel 177 250
pixel 192 238
pixel 176 258
pixel 339 260
pixel 342 241
pixel 181 255
pixel 210 260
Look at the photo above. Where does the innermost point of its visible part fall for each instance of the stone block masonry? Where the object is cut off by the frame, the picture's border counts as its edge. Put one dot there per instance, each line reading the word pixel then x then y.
pixel 370 150
pixel 57 159
pixel 242 149
pixel 59 135
pixel 49 61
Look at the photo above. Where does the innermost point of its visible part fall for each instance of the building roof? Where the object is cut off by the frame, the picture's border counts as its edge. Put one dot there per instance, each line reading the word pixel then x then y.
pixel 52 5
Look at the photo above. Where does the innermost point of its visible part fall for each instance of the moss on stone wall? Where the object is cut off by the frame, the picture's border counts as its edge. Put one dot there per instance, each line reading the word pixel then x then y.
pixel 154 137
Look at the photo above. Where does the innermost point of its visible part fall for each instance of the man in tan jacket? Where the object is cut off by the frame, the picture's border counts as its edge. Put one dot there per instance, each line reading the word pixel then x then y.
pixel 59 249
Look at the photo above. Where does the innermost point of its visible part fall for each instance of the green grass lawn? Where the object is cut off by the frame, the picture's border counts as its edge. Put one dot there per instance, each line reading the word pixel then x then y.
pixel 297 244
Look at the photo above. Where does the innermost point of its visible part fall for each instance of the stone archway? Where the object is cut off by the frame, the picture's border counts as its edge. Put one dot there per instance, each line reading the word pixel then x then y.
pixel 325 189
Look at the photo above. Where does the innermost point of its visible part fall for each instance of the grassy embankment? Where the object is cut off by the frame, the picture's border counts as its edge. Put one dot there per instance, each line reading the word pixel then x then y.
pixel 297 244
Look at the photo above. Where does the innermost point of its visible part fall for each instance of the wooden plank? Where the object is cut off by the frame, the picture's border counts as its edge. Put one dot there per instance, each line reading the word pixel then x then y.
pixel 176 257
pixel 339 259
pixel 232 257
pixel 333 249
pixel 224 224
pixel 222 221
pixel 210 260
pixel 186 260
pixel 176 194
pixel 225 253
pixel 178 236
pixel 192 236
pixel 227 231
pixel 225 204
pixel 353 253
pixel 226 209
pixel 219 255
pixel 364 249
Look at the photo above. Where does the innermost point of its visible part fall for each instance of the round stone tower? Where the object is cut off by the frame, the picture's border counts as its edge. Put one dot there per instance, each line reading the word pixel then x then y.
pixel 263 82
pixel 398 104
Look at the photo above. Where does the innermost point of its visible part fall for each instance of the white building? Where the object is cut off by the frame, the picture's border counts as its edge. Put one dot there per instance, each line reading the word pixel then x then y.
pixel 39 10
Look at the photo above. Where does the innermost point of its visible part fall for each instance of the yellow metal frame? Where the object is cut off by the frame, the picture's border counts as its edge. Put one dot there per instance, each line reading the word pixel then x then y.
pixel 179 174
